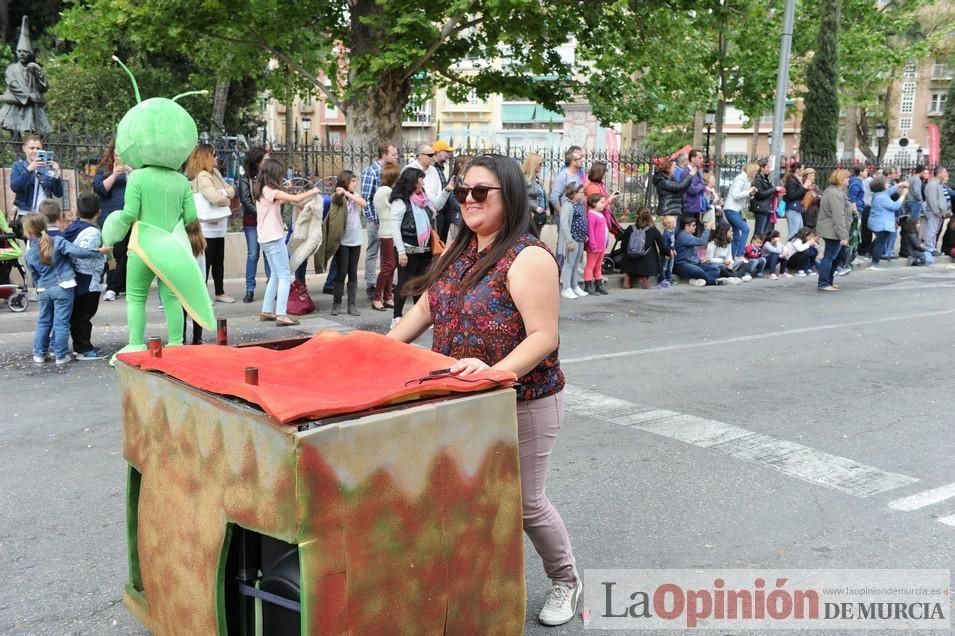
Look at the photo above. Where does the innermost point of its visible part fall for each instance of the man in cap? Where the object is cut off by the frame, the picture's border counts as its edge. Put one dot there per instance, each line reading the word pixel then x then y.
pixel 436 181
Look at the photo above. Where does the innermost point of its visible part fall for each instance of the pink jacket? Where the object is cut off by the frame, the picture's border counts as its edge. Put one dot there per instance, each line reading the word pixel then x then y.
pixel 598 232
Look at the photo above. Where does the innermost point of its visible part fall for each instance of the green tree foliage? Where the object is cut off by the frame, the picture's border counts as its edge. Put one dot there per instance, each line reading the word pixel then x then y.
pixel 820 124
pixel 947 127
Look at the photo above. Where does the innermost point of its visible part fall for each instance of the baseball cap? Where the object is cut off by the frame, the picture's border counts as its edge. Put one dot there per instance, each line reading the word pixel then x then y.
pixel 440 145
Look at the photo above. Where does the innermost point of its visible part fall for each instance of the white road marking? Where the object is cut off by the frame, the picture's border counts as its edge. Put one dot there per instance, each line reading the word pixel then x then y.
pixel 925 498
pixel 790 458
pixel 756 336
pixel 948 521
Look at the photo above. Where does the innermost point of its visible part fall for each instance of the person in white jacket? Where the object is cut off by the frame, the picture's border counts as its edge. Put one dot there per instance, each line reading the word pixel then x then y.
pixel 737 202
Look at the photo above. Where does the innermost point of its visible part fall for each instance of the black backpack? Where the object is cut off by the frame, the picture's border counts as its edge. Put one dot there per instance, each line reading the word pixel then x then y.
pixel 637 246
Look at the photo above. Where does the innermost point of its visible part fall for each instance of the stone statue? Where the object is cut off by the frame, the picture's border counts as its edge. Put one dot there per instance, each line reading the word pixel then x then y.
pixel 22 109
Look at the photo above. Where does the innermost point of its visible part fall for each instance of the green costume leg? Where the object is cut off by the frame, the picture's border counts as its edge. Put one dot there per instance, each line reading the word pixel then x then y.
pixel 138 280
pixel 175 320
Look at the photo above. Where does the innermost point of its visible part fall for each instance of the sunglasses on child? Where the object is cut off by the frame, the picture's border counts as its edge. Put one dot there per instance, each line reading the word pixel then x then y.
pixel 478 193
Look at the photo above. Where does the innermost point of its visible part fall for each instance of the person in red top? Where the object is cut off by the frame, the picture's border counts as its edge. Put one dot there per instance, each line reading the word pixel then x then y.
pixel 488 307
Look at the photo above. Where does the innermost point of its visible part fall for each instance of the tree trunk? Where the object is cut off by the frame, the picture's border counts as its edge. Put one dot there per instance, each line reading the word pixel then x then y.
pixel 849 146
pixel 289 116
pixel 720 105
pixel 754 140
pixel 862 136
pixel 221 100
pixel 375 115
pixel 5 19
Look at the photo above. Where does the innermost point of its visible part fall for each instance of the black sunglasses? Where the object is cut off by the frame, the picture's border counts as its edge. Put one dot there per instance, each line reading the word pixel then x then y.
pixel 426 154
pixel 479 192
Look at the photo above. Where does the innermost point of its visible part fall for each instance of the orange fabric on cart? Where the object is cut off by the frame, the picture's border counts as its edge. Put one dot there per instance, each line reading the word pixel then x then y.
pixel 330 374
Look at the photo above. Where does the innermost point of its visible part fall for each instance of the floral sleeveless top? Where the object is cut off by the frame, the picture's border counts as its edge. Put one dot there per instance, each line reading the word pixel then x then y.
pixel 484 323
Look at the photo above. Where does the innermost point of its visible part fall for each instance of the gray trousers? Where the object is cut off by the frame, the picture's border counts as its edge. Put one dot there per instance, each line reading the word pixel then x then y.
pixel 570 273
pixel 930 228
pixel 371 255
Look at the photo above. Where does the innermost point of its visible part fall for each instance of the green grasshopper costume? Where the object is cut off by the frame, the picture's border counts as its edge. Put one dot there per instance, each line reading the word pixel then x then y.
pixel 155 137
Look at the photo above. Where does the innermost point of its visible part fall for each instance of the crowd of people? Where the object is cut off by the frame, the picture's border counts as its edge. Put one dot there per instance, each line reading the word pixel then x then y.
pixel 406 216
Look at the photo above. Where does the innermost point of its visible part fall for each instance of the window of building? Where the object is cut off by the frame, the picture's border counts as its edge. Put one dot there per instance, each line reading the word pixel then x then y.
pixel 941 70
pixel 905 125
pixel 908 98
pixel 937 104
pixel 910 70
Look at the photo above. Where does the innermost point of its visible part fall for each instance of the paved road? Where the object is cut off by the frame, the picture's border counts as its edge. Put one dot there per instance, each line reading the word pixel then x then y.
pixel 762 425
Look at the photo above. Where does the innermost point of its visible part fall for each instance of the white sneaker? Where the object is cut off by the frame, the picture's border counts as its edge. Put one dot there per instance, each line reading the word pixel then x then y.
pixel 395 321
pixel 697 282
pixel 580 293
pixel 876 268
pixel 801 274
pixel 787 275
pixel 568 294
pixel 560 606
pixel 732 280
pixel 773 277
pixel 109 296
pixel 746 278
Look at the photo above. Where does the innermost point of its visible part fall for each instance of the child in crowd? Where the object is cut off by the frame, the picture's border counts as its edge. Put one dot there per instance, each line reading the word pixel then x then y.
pixel 349 250
pixel 912 246
pixel 773 249
pixel 598 234
pixel 269 197
pixel 799 252
pixel 666 259
pixel 85 233
pixel 719 252
pixel 48 259
pixel 572 240
pixel 755 260
pixel 53 213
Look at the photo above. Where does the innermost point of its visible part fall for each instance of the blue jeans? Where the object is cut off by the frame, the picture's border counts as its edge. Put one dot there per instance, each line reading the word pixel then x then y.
pixel 772 260
pixel 793 221
pixel 666 269
pixel 56 309
pixel 252 257
pixel 879 245
pixel 740 231
pixel 830 259
pixel 276 291
pixel 756 266
pixel 890 245
pixel 762 222
pixel 688 270
pixel 914 209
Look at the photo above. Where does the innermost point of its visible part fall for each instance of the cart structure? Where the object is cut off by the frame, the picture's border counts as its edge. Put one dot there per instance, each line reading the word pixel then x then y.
pixel 329 485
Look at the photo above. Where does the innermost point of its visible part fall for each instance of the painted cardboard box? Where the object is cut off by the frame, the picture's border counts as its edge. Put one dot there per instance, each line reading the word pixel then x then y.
pixel 405 516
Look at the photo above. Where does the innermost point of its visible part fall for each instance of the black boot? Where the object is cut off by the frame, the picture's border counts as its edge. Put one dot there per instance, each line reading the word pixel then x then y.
pixel 352 298
pixel 601 287
pixel 589 287
pixel 249 296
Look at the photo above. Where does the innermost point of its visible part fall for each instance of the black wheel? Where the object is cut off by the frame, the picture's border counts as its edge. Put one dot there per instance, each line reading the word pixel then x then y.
pixel 607 265
pixel 18 302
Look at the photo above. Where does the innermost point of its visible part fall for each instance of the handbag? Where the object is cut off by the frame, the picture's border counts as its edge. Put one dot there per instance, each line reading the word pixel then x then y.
pixel 437 245
pixel 781 209
pixel 299 300
pixel 208 212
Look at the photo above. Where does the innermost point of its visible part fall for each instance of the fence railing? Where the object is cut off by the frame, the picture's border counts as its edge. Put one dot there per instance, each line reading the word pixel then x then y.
pixel 629 171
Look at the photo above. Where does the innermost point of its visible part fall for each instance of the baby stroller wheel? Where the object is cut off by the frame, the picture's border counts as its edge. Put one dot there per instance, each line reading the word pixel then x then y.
pixel 18 302
pixel 607 266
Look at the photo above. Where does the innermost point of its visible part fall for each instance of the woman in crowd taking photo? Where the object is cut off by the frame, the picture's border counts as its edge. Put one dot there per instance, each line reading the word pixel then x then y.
pixel 254 159
pixel 737 202
pixel 669 191
pixel 795 191
pixel 109 184
pixel 764 199
pixel 206 179
pixel 493 300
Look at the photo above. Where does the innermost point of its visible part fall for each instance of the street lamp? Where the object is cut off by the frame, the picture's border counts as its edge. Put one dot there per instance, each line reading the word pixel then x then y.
pixel 709 118
pixel 918 155
pixel 306 124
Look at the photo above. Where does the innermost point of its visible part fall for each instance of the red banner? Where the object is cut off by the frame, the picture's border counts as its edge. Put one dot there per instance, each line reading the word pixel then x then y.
pixel 934 144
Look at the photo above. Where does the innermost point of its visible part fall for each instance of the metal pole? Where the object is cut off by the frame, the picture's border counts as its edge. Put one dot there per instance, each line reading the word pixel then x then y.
pixel 782 85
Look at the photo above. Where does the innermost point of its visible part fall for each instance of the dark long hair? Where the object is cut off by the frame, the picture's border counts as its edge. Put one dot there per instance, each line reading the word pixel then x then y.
pixel 720 235
pixel 253 158
pixel 405 186
pixel 272 175
pixel 344 180
pixel 517 223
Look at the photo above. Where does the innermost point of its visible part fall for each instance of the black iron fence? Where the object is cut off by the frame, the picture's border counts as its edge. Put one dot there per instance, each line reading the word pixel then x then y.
pixel 629 171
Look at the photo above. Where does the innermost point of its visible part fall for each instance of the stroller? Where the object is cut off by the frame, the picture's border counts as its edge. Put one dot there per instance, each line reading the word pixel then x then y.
pixel 10 252
pixel 613 260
